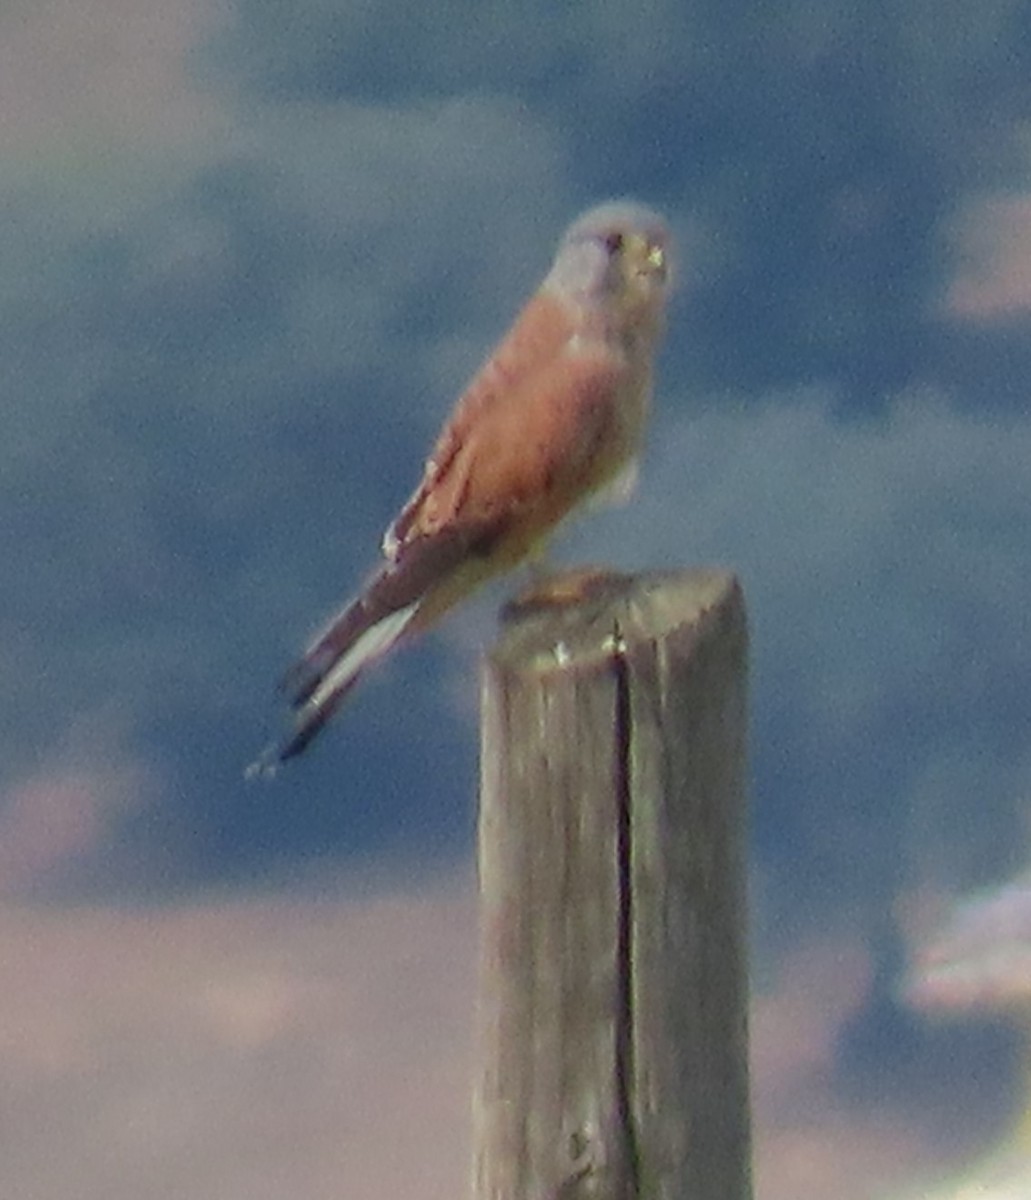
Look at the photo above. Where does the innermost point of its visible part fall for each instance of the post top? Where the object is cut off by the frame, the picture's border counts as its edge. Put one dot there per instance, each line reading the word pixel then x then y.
pixel 574 615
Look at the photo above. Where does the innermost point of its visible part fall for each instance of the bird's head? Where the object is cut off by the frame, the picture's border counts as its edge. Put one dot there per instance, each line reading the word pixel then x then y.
pixel 616 255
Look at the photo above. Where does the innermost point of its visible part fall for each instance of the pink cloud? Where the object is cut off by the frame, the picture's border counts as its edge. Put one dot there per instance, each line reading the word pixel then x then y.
pixel 994 273
pixel 73 72
pixel 808 1141
pixel 46 822
pixel 254 1049
pixel 262 1048
pixel 57 823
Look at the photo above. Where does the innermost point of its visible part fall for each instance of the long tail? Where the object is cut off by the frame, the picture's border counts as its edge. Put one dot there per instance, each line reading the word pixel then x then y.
pixel 406 594
pixel 358 636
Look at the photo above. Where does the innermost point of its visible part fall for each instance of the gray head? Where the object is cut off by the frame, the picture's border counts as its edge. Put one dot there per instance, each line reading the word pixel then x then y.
pixel 617 253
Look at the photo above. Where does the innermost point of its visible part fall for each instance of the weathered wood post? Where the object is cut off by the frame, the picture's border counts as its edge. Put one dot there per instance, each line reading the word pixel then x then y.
pixel 613 988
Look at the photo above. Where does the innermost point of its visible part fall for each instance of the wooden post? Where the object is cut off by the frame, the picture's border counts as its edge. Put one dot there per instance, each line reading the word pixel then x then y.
pixel 613 988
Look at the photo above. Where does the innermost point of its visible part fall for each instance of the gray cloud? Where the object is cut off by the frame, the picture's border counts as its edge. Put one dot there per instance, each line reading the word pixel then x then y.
pixel 228 354
pixel 193 352
pixel 884 565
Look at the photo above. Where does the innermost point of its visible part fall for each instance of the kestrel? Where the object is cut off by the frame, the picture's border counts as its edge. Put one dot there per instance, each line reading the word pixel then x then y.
pixel 553 417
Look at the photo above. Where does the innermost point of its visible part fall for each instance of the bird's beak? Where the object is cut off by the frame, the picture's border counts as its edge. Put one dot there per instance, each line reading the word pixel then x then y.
pixel 649 260
pixel 656 262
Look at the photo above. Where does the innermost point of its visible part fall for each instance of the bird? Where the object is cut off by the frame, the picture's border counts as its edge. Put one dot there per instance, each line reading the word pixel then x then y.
pixel 553 418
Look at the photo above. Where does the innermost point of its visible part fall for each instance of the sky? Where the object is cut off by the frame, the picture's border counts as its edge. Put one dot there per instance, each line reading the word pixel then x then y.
pixel 252 252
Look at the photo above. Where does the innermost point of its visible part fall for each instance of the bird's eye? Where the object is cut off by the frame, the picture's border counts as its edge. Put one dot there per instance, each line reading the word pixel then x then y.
pixel 614 243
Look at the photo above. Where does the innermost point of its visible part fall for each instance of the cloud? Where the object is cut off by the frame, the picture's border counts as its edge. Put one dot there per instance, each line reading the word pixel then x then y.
pixel 60 825
pixel 262 1046
pixel 79 79
pixel 977 960
pixel 993 250
pixel 884 565
pixel 231 1050
pixel 265 309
